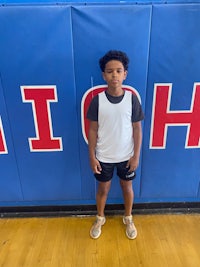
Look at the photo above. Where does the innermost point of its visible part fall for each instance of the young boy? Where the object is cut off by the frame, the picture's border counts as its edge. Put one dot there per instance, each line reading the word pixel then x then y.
pixel 114 138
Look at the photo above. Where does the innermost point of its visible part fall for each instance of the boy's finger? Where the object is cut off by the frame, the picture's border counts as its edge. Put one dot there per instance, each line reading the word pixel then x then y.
pixel 99 166
pixel 128 164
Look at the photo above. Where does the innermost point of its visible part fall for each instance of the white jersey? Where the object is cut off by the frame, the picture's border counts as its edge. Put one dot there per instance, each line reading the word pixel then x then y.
pixel 115 132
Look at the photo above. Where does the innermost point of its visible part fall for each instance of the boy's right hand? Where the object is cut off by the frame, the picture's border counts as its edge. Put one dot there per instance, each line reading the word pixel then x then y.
pixel 95 166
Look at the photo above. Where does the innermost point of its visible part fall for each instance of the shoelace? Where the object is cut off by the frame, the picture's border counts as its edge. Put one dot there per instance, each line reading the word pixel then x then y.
pixel 129 222
pixel 97 224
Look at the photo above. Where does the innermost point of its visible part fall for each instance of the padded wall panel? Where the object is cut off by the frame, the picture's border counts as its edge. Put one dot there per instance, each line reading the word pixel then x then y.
pixel 172 172
pixel 10 185
pixel 97 29
pixel 37 50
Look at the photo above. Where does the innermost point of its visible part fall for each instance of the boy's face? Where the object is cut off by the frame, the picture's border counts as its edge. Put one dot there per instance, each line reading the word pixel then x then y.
pixel 114 74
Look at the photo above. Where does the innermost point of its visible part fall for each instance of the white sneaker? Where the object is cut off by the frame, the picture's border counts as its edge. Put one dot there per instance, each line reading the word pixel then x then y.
pixel 131 231
pixel 95 231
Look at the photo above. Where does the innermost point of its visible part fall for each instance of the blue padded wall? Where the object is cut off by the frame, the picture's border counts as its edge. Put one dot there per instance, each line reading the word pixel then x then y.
pixel 174 172
pixel 37 50
pixel 53 50
pixel 102 33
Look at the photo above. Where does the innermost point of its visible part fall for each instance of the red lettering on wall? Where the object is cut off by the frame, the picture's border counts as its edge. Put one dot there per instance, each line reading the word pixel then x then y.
pixel 3 146
pixel 162 117
pixel 40 97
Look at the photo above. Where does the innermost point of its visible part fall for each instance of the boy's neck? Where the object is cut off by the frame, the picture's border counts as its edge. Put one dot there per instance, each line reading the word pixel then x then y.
pixel 115 91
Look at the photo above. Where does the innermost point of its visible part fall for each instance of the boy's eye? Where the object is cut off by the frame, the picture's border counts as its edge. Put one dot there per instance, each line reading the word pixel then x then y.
pixel 111 71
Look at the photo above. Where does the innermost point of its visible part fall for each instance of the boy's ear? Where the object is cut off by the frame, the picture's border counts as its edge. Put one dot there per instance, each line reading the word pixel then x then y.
pixel 125 74
pixel 103 75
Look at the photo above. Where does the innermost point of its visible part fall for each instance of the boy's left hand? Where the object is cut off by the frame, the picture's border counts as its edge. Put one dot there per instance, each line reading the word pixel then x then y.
pixel 132 164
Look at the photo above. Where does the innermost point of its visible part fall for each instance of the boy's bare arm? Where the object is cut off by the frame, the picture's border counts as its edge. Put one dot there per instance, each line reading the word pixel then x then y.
pixel 137 139
pixel 92 142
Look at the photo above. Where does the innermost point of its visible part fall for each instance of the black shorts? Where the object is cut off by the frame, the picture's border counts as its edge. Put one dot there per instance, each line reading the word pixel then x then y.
pixel 108 170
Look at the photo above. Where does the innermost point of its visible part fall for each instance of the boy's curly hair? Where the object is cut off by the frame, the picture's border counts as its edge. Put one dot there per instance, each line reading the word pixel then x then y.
pixel 114 55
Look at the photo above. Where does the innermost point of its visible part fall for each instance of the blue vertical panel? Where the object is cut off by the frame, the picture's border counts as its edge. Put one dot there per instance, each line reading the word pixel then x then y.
pixel 172 173
pixel 36 49
pixel 97 29
pixel 10 188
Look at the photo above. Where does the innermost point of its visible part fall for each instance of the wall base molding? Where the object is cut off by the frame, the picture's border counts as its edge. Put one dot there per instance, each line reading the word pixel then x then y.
pixel 89 210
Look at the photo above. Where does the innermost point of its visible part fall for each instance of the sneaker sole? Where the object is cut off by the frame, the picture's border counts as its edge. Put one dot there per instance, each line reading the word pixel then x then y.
pixel 95 237
pixel 129 237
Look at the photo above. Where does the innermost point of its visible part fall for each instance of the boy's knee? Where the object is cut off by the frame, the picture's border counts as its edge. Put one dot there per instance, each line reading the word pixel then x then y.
pixel 126 186
pixel 103 189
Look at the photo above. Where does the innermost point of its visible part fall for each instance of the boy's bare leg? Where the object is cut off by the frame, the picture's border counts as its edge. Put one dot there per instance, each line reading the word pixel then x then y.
pixel 128 195
pixel 101 196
